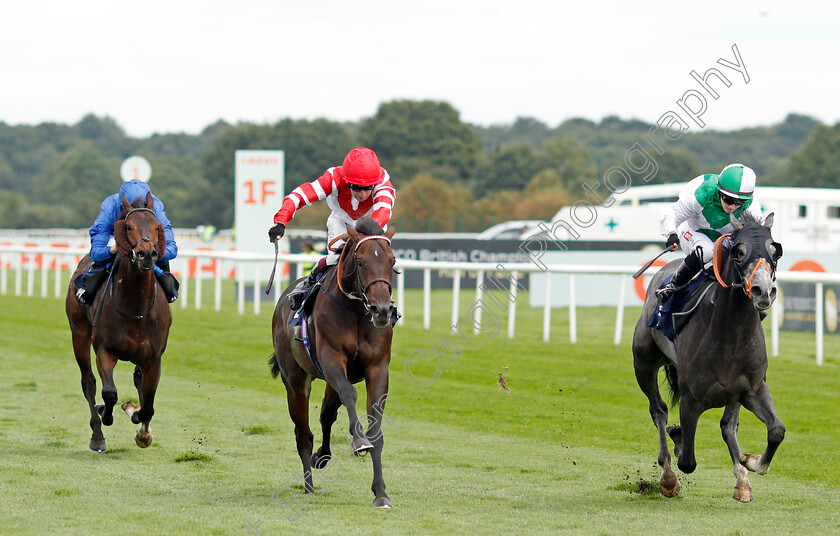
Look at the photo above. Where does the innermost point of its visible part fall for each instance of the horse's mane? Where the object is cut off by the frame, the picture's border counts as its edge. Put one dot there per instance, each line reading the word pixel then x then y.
pixel 368 226
pixel 138 202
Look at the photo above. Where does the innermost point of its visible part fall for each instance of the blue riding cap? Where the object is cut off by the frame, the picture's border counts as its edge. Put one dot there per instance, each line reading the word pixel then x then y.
pixel 134 189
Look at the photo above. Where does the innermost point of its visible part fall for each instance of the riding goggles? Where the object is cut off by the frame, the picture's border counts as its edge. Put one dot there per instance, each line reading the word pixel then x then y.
pixel 732 200
pixel 358 188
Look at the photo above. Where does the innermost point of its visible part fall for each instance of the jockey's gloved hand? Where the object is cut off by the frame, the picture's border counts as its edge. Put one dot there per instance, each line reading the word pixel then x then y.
pixel 672 242
pixel 276 232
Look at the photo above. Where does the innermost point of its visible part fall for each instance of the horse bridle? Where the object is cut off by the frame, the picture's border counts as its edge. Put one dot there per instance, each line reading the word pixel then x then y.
pixel 142 238
pixel 746 283
pixel 364 288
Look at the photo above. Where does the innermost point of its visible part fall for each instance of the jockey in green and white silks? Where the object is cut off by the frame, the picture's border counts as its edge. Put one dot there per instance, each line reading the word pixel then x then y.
pixel 701 215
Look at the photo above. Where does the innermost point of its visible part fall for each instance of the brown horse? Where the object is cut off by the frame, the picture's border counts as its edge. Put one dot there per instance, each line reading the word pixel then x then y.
pixel 351 334
pixel 129 321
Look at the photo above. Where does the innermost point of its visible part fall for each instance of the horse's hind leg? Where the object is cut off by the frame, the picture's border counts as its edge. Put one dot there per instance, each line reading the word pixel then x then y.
pixel 646 376
pixel 761 403
pixel 105 362
pixel 81 347
pixel 329 413
pixel 729 430
pixel 297 394
pixel 146 380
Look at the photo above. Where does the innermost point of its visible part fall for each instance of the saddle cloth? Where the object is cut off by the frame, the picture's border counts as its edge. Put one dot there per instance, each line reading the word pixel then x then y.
pixel 671 317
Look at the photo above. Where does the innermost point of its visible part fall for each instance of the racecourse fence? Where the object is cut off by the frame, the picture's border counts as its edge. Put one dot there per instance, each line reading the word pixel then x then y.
pixel 193 267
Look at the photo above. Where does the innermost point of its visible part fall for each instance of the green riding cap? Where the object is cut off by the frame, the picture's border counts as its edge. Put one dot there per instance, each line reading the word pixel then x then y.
pixel 737 180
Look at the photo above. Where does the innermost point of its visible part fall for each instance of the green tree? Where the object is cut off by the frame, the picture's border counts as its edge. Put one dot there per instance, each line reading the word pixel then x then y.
pixel 817 163
pixel 571 160
pixel 510 166
pixel 422 131
pixel 78 179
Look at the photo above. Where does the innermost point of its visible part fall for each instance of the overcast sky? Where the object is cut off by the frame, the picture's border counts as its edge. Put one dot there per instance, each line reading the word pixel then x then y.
pixel 179 65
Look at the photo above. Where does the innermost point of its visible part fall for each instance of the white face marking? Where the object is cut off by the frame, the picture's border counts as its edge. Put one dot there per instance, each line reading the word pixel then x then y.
pixel 375 253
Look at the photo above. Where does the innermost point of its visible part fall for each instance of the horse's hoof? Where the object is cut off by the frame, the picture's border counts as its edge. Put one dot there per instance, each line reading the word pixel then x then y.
pixel 669 489
pixel 130 407
pixel 743 495
pixel 320 461
pixel 382 502
pixel 97 445
pixel 143 441
pixel 750 461
pixel 361 445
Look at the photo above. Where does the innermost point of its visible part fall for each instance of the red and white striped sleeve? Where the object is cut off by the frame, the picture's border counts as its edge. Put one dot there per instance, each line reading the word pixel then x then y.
pixel 304 195
pixel 384 196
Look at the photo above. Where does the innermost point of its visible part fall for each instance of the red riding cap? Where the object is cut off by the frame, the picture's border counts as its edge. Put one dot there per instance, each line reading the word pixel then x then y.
pixel 361 166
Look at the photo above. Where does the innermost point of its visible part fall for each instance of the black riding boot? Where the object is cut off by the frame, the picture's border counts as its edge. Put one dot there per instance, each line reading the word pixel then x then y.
pixel 689 267
pixel 170 285
pixel 89 281
pixel 296 295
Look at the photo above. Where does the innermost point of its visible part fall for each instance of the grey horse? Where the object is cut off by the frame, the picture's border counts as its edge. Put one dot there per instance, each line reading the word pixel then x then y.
pixel 719 358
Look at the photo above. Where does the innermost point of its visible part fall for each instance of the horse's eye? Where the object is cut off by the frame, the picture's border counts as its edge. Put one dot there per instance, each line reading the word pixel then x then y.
pixel 129 228
pixel 359 264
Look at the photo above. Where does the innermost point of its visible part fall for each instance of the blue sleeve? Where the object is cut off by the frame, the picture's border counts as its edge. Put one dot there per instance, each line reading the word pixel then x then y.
pixel 102 229
pixel 171 246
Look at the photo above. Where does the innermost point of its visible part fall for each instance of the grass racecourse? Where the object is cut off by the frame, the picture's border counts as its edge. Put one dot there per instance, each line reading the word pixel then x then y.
pixel 570 449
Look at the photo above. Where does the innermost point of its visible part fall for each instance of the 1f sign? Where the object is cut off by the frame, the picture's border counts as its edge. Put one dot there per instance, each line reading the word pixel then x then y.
pixel 259 194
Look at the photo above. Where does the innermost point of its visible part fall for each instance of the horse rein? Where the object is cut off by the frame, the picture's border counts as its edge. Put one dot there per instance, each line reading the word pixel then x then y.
pixel 142 238
pixel 717 262
pixel 364 288
pixel 134 260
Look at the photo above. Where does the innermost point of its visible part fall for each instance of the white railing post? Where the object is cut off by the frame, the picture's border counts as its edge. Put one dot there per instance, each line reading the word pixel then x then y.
pixel 819 323
pixel 401 296
pixel 44 269
pixel 776 319
pixel 572 310
pixel 3 274
pixel 514 278
pixel 30 279
pixel 456 296
pixel 479 293
pixel 546 307
pixel 427 298
pixel 619 313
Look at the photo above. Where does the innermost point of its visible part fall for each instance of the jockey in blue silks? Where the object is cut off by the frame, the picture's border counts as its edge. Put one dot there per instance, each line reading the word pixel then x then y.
pixel 103 248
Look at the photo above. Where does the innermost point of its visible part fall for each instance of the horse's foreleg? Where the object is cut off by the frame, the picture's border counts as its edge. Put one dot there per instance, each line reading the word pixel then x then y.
pixel 376 383
pixel 149 378
pixel 105 363
pixel 336 376
pixel 646 377
pixel 81 348
pixel 761 403
pixel 329 413
pixel 729 430
pixel 690 411
pixel 297 394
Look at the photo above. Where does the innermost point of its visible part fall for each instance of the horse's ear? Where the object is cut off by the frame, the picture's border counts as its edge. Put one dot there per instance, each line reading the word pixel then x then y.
pixel 392 229
pixel 150 201
pixel 352 233
pixel 736 224
pixel 126 205
pixel 768 221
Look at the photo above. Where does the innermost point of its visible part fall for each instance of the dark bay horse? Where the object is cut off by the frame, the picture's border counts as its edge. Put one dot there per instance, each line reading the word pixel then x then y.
pixel 719 358
pixel 351 334
pixel 132 325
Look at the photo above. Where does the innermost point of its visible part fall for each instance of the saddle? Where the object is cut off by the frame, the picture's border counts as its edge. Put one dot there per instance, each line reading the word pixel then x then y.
pixel 672 317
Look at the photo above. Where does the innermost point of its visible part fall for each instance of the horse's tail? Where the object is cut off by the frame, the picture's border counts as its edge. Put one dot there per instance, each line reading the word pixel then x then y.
pixel 275 366
pixel 673 384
